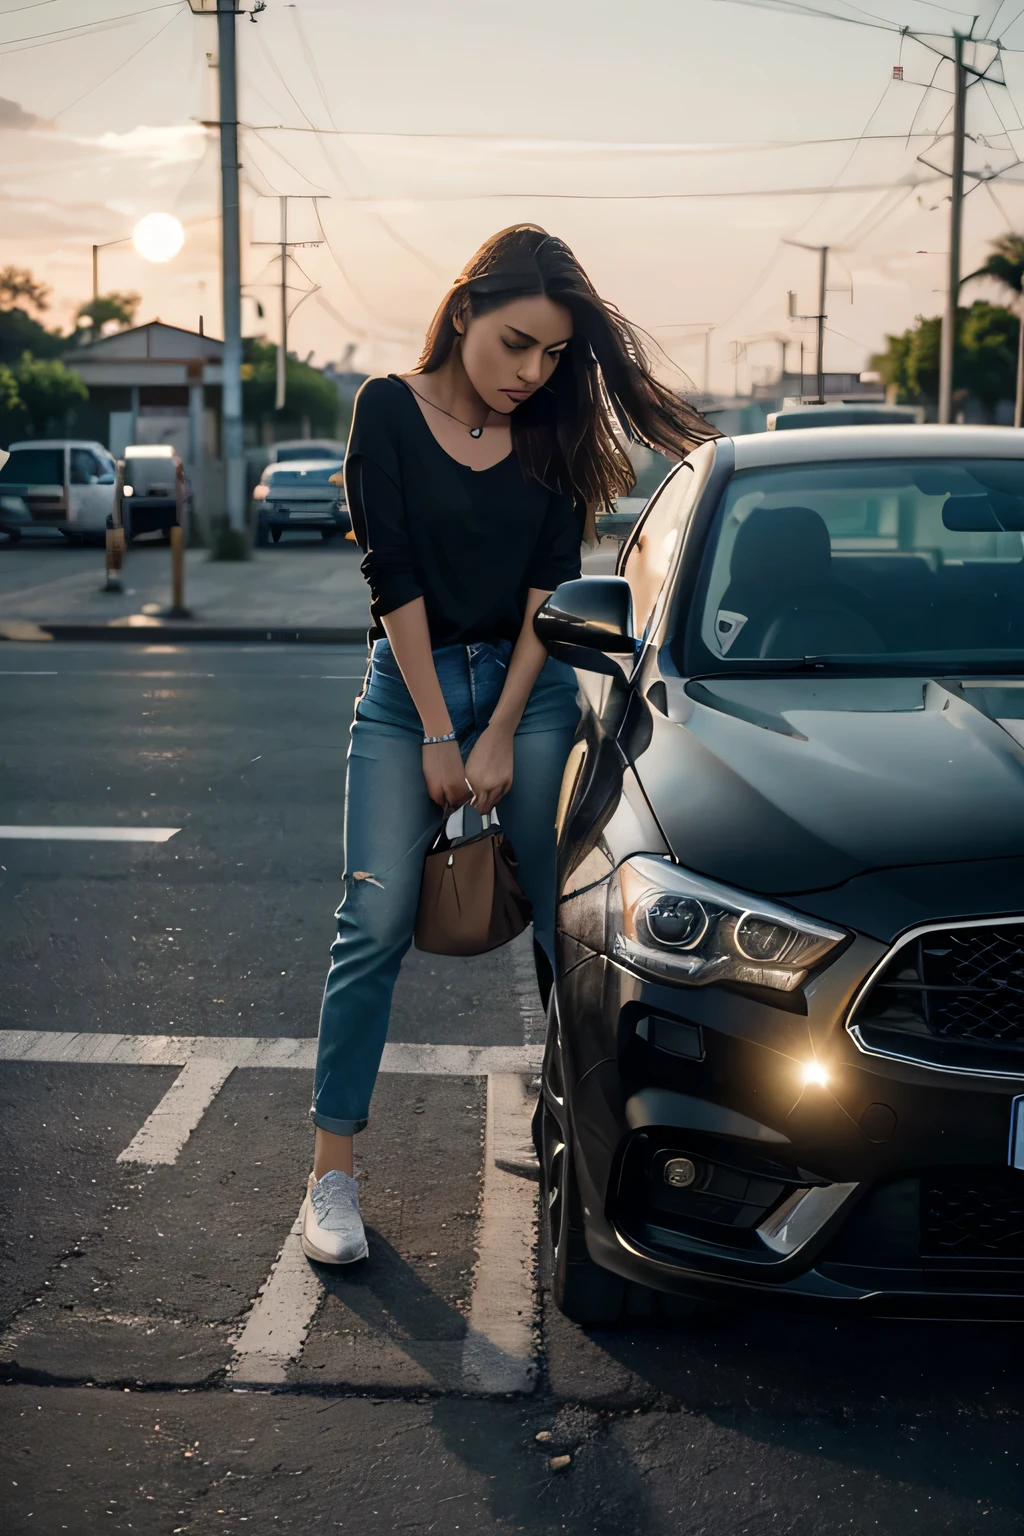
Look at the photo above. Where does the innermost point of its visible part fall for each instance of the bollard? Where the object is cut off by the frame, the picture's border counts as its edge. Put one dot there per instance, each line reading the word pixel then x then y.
pixel 177 609
pixel 115 557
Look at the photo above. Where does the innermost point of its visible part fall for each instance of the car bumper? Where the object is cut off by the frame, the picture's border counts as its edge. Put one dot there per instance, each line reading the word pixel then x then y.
pixel 272 516
pixel 886 1190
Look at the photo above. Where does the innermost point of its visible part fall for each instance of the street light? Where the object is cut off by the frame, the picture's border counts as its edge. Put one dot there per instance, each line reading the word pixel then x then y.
pixel 156 237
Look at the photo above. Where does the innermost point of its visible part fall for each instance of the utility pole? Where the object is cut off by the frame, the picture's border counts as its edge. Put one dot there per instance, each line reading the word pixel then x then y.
pixel 282 350
pixel 956 207
pixel 230 255
pixel 822 281
pixel 231 267
pixel 282 244
pixel 818 318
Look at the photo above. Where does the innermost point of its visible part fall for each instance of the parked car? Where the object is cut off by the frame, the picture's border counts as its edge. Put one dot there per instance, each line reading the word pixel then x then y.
pixel 300 494
pixel 290 449
pixel 155 493
pixel 845 414
pixel 56 483
pixel 785 1052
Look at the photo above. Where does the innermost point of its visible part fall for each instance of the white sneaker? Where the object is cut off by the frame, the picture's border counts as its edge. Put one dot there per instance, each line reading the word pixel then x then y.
pixel 332 1228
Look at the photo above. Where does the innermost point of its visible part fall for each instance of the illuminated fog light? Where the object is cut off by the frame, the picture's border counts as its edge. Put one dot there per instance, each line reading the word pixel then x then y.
pixel 814 1075
pixel 680 1172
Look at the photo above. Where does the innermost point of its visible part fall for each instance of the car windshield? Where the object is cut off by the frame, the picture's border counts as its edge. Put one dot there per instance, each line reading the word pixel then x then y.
pixel 34 466
pixel 885 564
pixel 319 476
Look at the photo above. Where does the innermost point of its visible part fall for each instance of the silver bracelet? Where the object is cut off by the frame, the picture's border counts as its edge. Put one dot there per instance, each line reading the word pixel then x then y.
pixel 437 741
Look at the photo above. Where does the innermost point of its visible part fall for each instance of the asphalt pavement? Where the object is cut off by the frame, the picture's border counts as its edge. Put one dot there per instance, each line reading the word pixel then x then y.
pixel 168 1360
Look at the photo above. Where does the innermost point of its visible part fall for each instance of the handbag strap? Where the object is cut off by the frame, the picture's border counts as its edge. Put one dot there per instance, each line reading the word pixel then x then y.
pixel 452 830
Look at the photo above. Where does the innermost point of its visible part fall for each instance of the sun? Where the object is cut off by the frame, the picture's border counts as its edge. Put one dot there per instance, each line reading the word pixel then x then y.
pixel 158 237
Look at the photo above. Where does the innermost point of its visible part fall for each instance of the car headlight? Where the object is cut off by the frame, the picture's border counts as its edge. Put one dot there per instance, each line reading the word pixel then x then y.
pixel 676 926
pixel 260 493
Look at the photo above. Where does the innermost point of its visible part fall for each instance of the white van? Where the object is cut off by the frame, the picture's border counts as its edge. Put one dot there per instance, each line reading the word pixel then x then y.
pixel 57 483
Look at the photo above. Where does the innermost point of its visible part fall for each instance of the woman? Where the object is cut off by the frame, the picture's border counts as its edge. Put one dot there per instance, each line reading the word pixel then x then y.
pixel 471 483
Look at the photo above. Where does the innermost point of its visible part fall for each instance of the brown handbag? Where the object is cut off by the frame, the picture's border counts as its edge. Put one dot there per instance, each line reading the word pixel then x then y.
pixel 470 898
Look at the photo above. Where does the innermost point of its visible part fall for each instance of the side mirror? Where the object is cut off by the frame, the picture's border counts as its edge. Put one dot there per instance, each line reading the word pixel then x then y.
pixel 585 621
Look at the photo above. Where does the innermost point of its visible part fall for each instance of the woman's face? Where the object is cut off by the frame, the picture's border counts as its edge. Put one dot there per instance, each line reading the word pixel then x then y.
pixel 512 351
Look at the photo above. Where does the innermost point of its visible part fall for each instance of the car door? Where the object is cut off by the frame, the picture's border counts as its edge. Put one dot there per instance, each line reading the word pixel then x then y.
pixel 90 489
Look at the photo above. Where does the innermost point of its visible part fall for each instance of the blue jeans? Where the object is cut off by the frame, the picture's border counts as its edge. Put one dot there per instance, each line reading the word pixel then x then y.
pixel 390 822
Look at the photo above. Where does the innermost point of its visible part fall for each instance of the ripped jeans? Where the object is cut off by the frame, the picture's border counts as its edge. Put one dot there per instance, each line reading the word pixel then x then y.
pixel 390 822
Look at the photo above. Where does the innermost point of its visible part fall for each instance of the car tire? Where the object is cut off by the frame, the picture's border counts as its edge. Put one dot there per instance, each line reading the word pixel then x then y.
pixel 275 534
pixel 262 535
pixel 580 1289
pixel 13 535
pixel 327 534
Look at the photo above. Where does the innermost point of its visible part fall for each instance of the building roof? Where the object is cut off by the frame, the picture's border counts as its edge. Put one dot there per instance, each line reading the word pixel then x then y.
pixel 148 354
pixel 155 341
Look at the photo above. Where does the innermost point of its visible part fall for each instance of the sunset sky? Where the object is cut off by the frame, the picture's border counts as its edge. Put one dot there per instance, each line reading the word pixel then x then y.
pixel 662 139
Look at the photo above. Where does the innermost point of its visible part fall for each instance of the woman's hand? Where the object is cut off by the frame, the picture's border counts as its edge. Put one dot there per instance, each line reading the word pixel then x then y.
pixel 445 775
pixel 489 769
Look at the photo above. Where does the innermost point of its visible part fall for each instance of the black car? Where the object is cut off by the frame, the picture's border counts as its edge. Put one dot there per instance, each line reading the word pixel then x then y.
pixel 785 1056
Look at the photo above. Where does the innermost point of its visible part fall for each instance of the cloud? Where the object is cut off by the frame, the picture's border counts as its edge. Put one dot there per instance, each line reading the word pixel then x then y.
pixel 13 115
pixel 170 145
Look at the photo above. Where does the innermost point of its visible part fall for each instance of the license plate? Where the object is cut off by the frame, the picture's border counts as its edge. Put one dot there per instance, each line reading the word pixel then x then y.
pixel 308 517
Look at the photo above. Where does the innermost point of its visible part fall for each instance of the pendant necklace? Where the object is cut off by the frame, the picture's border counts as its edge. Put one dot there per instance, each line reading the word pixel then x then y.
pixel 473 431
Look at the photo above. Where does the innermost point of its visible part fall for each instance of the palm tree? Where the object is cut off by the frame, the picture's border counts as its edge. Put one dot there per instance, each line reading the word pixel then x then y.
pixel 1005 265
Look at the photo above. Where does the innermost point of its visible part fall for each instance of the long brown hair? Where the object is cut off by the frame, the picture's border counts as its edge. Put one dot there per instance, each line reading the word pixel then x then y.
pixel 565 434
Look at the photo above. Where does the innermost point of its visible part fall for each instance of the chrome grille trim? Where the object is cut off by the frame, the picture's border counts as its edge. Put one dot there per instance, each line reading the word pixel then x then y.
pixel 907 1056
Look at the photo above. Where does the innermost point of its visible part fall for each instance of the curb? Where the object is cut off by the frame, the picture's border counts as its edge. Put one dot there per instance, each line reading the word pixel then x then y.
pixel 135 634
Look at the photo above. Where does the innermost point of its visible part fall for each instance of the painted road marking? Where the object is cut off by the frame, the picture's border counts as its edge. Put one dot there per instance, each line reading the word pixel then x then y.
pixel 276 1328
pixel 498 1353
pixel 90 834
pixel 9 673
pixel 166 1130
pixel 498 1349
pixel 247 1051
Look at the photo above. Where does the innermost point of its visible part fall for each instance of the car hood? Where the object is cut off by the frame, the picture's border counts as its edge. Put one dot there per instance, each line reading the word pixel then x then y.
pixel 784 785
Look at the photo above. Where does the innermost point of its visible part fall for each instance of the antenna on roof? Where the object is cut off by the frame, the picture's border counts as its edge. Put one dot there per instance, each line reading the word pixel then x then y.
pixel 201 331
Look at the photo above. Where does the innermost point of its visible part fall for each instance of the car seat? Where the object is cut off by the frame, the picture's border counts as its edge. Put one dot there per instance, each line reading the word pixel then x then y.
pixel 781 600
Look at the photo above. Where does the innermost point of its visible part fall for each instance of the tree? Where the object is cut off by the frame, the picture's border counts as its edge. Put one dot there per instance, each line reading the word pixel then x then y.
pixel 37 396
pixel 308 395
pixel 119 308
pixel 19 333
pixel 984 362
pixel 1005 265
pixel 17 284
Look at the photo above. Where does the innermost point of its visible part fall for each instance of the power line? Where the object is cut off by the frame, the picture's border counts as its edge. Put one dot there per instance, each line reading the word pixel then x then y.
pixel 311 62
pixel 669 146
pixel 118 67
pixel 81 29
pixel 641 197
pixel 792 8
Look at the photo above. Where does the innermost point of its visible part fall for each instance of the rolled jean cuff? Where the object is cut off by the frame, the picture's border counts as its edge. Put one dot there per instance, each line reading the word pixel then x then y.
pixel 337 1127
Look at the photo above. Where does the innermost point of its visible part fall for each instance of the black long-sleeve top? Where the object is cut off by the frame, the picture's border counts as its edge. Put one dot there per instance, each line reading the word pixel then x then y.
pixel 471 543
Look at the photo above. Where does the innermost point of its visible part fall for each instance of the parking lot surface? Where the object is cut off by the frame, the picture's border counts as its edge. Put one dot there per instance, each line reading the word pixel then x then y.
pixel 169 1361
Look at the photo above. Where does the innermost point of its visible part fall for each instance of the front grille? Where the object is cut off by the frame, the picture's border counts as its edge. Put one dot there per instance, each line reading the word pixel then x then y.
pixel 972 1214
pixel 956 989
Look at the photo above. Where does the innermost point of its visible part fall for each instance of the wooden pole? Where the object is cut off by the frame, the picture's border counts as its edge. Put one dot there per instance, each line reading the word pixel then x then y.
pixel 178 608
